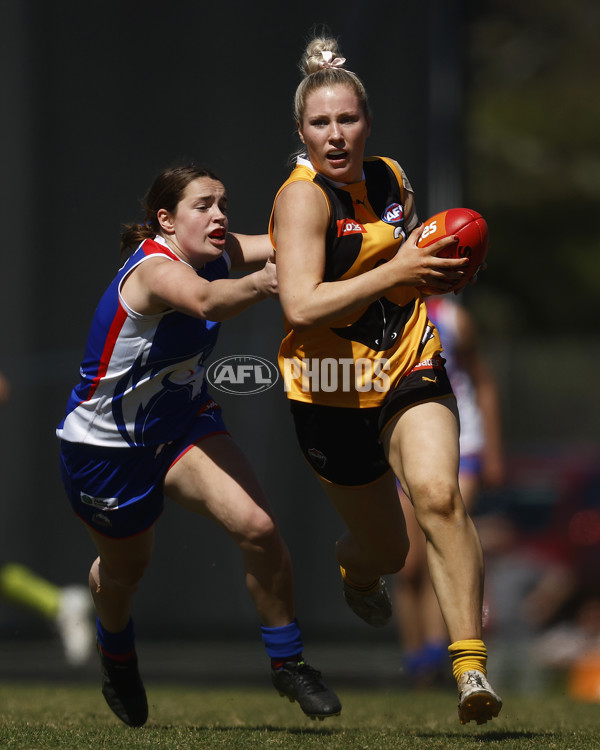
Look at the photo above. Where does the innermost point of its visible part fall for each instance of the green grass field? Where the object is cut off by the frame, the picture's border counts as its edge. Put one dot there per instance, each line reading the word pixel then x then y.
pixel 59 717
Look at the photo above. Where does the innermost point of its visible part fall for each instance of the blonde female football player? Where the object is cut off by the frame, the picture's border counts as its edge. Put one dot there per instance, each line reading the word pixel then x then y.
pixel 364 372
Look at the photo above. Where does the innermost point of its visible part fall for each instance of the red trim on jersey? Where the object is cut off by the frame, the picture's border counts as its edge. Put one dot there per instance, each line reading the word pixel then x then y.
pixel 151 247
pixel 111 340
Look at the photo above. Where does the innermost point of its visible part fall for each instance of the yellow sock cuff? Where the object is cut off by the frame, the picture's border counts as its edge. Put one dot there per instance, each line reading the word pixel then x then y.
pixel 360 587
pixel 468 654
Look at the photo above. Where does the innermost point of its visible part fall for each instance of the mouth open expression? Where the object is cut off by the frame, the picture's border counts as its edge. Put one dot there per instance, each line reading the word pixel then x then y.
pixel 200 222
pixel 334 129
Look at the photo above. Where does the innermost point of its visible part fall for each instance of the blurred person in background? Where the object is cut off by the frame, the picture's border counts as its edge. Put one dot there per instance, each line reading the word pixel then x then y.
pixel 421 628
pixel 572 646
pixel 528 584
pixel 568 644
pixel 68 608
pixel 541 540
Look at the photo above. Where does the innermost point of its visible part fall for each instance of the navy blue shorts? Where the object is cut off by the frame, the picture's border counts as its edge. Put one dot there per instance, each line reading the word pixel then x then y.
pixel 119 491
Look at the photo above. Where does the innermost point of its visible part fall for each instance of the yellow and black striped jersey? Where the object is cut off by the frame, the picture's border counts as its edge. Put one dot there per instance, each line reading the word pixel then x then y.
pixel 358 359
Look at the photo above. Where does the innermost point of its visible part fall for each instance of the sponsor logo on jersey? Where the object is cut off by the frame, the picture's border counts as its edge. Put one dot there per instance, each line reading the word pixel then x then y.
pixel 242 375
pixel 210 405
pixel 102 503
pixel 349 226
pixel 101 520
pixel 435 363
pixel 393 213
pixel 318 458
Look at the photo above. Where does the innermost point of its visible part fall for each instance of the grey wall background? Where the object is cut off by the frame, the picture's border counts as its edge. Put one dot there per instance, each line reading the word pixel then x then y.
pixel 97 98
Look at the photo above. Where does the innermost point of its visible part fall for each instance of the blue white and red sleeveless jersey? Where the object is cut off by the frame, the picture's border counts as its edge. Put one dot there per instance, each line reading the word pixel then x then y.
pixel 142 376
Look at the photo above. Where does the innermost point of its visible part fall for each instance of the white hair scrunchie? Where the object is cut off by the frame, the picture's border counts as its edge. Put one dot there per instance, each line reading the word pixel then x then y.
pixel 329 61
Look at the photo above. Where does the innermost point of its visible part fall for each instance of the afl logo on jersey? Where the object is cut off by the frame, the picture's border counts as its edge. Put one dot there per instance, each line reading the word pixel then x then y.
pixel 242 375
pixel 393 213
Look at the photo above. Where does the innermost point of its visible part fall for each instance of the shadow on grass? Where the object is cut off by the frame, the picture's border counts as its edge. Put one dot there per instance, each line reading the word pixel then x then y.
pixel 313 731
pixel 489 736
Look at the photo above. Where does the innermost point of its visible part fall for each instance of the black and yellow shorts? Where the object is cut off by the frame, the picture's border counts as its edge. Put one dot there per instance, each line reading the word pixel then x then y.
pixel 343 445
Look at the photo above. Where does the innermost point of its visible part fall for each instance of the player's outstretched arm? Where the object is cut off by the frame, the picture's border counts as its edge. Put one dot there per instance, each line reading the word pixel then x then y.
pixel 248 251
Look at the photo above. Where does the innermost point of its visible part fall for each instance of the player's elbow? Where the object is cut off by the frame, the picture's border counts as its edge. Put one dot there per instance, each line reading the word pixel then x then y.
pixel 299 317
pixel 212 311
pixel 301 310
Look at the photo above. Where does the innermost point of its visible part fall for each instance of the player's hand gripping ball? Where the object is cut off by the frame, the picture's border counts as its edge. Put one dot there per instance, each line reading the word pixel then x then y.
pixel 472 231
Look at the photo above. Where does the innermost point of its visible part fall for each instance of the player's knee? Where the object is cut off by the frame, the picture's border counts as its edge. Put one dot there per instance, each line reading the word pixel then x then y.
pixel 121 581
pixel 259 531
pixel 392 558
pixel 438 503
pixel 395 562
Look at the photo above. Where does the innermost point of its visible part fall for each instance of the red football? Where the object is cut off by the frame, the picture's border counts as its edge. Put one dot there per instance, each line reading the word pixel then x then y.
pixel 471 229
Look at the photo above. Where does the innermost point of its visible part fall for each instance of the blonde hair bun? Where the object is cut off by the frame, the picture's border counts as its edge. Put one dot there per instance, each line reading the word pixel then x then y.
pixel 313 57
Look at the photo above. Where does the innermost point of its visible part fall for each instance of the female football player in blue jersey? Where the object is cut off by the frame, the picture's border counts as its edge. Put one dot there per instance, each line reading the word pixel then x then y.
pixel 363 364
pixel 140 425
